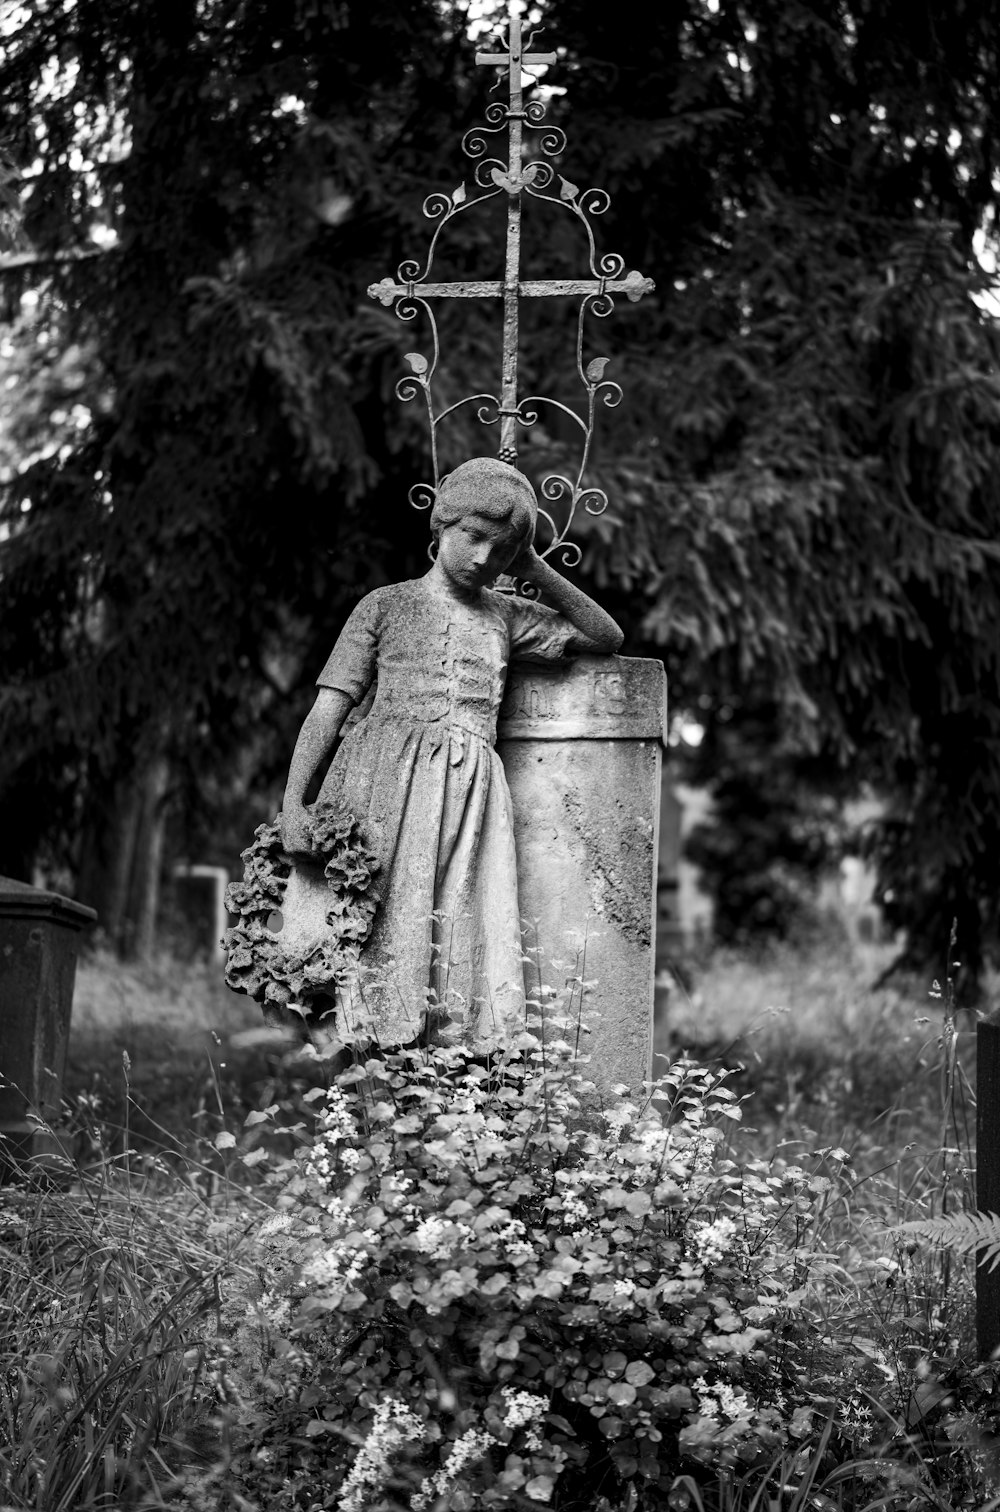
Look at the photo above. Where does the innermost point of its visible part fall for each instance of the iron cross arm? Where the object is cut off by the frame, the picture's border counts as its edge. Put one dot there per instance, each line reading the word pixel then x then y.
pixel 522 60
pixel 633 286
pixel 513 57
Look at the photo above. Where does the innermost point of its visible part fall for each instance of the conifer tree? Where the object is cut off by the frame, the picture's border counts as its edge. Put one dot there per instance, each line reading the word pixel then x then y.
pixel 810 494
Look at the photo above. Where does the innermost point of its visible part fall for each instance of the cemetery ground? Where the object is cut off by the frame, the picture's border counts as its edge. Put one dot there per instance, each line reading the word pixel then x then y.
pixel 160 1351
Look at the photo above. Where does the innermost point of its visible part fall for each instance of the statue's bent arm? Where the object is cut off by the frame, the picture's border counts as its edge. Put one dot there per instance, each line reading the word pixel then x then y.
pixel 595 630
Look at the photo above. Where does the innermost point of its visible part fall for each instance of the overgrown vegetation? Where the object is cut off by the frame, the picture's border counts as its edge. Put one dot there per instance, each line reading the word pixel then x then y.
pixel 106 1292
pixel 470 1285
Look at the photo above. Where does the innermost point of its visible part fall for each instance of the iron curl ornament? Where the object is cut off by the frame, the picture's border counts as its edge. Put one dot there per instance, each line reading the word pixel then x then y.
pixel 414 290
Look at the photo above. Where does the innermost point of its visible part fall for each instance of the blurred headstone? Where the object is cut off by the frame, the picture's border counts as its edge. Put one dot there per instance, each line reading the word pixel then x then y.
pixel 40 936
pixel 200 907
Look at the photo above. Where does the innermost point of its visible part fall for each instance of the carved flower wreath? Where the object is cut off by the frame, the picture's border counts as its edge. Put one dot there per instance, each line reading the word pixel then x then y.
pixel 257 962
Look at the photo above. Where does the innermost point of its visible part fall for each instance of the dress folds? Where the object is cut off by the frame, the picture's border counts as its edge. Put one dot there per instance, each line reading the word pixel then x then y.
pixel 421 776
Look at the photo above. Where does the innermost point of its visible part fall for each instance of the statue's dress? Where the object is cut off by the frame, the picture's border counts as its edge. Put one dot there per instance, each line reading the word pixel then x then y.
pixel 422 777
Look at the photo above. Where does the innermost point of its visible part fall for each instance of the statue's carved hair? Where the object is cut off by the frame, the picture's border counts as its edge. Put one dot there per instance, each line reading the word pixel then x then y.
pixel 490 488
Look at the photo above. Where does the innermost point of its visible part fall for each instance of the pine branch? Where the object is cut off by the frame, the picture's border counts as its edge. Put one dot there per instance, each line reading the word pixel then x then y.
pixel 11 260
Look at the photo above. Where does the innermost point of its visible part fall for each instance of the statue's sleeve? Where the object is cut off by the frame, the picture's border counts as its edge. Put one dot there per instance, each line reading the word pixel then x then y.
pixel 353 663
pixel 537 633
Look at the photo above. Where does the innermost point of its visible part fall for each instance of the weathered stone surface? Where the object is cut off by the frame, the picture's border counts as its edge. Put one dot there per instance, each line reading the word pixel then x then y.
pixel 582 749
pixel 425 662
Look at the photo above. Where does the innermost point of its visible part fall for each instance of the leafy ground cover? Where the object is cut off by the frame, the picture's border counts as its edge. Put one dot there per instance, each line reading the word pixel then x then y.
pixel 465 1292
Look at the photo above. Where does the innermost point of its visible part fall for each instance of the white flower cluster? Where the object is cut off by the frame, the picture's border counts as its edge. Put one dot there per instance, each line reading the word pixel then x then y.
pixel 574 1210
pixel 522 1408
pixel 472 1445
pixel 654 1141
pixel 514 1236
pixel 336 1126
pixel 339 1265
pixel 337 1120
pixel 437 1237
pixel 723 1400
pixel 338 1212
pixel 711 1241
pixel 702 1154
pixel 857 1417
pixel 393 1426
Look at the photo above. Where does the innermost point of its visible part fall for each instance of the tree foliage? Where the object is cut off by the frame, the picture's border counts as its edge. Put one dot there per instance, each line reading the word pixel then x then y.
pixel 803 476
pixel 776 830
pixel 172 568
pixel 809 491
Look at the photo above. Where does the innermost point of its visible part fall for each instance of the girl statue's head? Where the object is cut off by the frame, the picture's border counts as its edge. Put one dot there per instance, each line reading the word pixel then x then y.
pixel 492 490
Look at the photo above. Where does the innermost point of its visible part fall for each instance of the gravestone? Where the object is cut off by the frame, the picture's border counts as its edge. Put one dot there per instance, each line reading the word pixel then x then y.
pixel 40 935
pixel 582 749
pixel 390 908
pixel 199 896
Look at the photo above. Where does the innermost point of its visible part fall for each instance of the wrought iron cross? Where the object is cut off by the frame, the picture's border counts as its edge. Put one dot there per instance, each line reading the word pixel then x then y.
pixel 411 290
pixel 513 182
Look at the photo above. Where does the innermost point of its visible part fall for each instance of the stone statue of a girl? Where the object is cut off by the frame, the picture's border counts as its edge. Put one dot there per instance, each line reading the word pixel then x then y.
pixel 419 772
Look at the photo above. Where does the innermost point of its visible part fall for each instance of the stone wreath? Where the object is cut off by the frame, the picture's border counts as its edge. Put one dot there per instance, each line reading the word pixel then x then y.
pixel 285 983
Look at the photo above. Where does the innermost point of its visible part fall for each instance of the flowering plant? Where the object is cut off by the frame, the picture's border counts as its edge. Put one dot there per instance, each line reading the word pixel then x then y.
pixel 481 1289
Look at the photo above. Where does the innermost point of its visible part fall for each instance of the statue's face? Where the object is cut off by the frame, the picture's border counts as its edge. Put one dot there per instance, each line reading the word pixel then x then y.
pixel 475 550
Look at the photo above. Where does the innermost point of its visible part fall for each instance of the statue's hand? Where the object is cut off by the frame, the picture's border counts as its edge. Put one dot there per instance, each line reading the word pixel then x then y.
pixel 526 565
pixel 296 836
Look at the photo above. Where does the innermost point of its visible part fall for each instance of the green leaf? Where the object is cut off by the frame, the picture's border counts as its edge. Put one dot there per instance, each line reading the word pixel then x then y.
pixel 638 1373
pixel 255 1116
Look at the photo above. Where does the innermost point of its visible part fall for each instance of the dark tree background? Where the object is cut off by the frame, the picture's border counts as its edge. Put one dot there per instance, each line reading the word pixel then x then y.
pixel 199 398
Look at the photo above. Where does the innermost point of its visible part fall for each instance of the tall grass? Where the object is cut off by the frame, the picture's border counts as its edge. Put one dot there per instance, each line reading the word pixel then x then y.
pixel 108 1290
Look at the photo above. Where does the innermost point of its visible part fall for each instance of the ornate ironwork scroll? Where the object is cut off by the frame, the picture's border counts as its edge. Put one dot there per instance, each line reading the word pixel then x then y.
pixel 414 290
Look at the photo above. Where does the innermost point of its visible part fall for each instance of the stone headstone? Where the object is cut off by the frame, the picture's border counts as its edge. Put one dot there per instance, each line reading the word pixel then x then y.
pixel 582 749
pixel 40 935
pixel 199 899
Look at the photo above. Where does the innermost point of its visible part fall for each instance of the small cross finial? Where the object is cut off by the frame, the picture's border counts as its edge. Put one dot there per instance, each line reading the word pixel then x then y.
pixel 513 59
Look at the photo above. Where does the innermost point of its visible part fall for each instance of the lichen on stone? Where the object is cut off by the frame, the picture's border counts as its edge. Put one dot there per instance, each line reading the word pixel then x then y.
pixel 287 984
